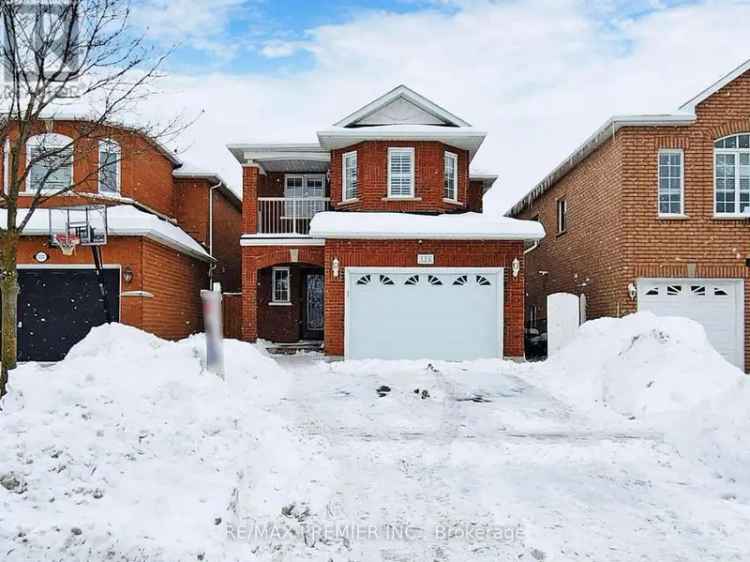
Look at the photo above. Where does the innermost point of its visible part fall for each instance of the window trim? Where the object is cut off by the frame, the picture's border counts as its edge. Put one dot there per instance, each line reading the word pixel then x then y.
pixel 564 201
pixel 681 152
pixel 345 177
pixel 403 149
pixel 735 151
pixel 304 177
pixel 288 299
pixel 117 149
pixel 451 156
pixel 57 140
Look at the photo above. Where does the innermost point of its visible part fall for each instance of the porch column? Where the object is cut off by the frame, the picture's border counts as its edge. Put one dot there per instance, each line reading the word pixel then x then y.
pixel 250 183
pixel 249 301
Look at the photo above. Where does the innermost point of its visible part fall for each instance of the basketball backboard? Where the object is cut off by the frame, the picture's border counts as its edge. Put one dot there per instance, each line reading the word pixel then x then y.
pixel 81 225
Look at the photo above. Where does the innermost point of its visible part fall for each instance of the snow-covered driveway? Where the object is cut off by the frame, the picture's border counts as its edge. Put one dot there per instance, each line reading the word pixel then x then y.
pixel 491 467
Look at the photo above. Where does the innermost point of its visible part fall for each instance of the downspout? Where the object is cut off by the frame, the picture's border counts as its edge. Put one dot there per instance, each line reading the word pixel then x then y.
pixel 211 233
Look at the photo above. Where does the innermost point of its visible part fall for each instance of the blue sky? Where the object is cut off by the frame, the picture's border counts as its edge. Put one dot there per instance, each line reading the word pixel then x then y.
pixel 538 75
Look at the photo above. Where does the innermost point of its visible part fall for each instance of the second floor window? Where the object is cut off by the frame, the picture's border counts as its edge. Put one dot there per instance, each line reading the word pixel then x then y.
pixel 349 161
pixel 109 167
pixel 562 216
pixel 400 172
pixel 732 175
pixel 50 157
pixel 670 182
pixel 450 176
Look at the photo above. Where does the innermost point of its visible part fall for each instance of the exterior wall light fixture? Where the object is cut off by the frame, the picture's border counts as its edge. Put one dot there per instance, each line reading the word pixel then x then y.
pixel 515 267
pixel 632 291
pixel 335 267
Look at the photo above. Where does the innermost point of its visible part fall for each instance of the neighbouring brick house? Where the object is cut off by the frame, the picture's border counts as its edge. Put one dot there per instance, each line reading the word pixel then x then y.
pixel 651 213
pixel 372 239
pixel 160 253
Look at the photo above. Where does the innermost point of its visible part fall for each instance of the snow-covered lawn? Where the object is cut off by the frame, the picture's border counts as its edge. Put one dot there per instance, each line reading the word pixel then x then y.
pixel 128 451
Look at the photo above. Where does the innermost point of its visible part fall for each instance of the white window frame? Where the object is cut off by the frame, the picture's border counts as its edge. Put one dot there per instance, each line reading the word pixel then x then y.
pixel 115 148
pixel 562 229
pixel 681 153
pixel 454 157
pixel 736 152
pixel 52 141
pixel 345 177
pixel 274 299
pixel 401 150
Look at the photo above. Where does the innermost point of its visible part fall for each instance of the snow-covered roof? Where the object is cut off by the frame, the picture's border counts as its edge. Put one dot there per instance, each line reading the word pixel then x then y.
pixel 124 220
pixel 683 117
pixel 487 178
pixel 466 138
pixel 466 226
pixel 403 104
pixel 190 170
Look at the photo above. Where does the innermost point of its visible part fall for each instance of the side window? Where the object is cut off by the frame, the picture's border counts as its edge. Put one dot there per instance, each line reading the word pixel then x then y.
pixel 562 216
pixel 732 175
pixel 400 172
pixel 450 176
pixel 109 167
pixel 670 182
pixel 51 159
pixel 349 175
pixel 280 285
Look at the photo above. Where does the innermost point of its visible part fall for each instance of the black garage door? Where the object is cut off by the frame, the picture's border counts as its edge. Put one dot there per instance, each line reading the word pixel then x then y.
pixel 58 307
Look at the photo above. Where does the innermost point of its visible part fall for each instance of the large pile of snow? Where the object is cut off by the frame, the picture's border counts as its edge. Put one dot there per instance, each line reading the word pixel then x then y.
pixel 661 372
pixel 129 450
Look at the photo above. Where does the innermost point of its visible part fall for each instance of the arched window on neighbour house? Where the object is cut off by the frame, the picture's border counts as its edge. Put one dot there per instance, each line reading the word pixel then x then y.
pixel 50 157
pixel 732 175
pixel 110 157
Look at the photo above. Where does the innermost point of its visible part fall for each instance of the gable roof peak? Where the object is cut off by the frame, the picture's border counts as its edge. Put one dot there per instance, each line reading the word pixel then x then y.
pixel 731 76
pixel 400 106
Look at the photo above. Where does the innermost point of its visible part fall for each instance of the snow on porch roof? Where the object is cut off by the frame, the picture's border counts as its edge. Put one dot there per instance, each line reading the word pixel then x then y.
pixel 400 226
pixel 124 220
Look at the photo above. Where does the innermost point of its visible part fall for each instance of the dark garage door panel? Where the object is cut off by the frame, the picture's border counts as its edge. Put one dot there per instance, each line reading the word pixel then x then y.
pixel 58 308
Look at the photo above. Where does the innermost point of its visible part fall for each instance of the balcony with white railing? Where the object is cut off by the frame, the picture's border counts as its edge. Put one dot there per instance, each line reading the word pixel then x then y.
pixel 289 215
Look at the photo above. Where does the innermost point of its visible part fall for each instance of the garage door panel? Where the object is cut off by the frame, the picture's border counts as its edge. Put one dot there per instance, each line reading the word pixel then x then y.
pixel 717 304
pixel 424 313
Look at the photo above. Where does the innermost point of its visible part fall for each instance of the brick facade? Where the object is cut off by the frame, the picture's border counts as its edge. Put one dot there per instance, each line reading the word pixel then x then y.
pixel 615 234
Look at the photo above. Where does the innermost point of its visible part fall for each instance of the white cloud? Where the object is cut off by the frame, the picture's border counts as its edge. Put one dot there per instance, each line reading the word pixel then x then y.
pixel 538 75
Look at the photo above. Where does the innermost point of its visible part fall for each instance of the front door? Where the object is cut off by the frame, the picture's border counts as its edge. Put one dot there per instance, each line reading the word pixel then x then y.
pixel 312 327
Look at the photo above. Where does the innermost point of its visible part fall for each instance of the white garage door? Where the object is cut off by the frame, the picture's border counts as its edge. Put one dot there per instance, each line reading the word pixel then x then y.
pixel 424 313
pixel 718 304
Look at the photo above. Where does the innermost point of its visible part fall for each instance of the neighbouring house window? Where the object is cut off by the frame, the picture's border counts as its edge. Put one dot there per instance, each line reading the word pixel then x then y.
pixel 670 182
pixel 450 176
pixel 280 285
pixel 51 159
pixel 562 216
pixel 305 194
pixel 400 172
pixel 732 175
pixel 349 166
pixel 109 167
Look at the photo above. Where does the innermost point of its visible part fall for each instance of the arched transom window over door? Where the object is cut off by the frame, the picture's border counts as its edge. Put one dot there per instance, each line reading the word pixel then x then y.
pixel 732 175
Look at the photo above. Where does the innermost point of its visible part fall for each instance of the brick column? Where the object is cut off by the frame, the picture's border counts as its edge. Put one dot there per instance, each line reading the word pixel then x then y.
pixel 250 184
pixel 249 299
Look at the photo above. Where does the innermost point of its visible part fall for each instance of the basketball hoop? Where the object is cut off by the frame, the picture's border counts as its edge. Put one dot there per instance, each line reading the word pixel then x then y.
pixel 67 242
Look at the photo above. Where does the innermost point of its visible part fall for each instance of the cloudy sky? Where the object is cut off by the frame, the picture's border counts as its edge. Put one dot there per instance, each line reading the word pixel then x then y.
pixel 538 75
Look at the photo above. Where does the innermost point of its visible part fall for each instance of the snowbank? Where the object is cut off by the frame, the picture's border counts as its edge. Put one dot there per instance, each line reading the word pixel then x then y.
pixel 661 372
pixel 127 449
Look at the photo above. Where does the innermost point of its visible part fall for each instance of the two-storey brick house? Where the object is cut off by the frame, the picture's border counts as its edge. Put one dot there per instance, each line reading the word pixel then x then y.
pixel 172 230
pixel 372 239
pixel 651 213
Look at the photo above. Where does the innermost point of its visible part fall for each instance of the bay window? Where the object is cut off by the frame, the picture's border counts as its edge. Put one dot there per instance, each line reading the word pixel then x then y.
pixel 349 174
pixel 400 172
pixel 450 176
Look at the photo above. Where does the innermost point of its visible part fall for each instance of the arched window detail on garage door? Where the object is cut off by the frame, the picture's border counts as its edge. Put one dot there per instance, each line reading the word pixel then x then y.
pixel 432 280
pixel 698 290
pixel 483 281
pixel 411 281
pixel 385 280
pixel 653 292
pixel 462 280
pixel 674 290
pixel 720 292
pixel 364 280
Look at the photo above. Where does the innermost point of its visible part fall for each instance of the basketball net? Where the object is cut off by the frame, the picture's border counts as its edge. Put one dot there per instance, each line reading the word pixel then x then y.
pixel 67 242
